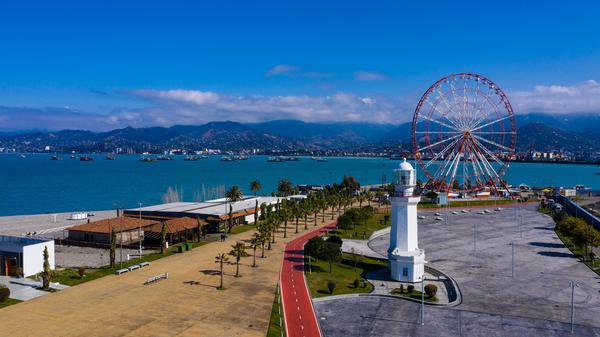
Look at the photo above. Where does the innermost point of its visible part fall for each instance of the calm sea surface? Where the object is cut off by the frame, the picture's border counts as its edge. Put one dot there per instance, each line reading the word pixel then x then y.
pixel 37 184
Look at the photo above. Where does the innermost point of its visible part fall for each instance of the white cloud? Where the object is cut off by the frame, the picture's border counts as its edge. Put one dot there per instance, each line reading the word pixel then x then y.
pixel 282 69
pixel 193 107
pixel 363 75
pixel 581 97
pixel 295 71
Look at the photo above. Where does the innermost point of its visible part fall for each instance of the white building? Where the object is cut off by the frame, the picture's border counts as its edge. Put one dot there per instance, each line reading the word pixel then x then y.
pixel 405 260
pixel 25 253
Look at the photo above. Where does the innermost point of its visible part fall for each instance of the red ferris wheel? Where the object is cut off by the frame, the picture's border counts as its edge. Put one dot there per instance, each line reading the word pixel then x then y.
pixel 464 134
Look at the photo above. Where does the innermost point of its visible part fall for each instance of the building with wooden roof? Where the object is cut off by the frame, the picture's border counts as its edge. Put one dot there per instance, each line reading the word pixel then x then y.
pixel 128 230
pixel 177 230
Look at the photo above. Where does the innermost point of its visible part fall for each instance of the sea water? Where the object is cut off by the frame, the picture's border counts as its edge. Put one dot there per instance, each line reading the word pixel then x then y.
pixel 37 184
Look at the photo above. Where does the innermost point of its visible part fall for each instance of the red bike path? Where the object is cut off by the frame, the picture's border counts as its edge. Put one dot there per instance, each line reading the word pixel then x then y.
pixel 299 314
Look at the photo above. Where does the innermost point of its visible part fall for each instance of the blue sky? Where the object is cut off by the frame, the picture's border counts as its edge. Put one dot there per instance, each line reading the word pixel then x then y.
pixel 116 63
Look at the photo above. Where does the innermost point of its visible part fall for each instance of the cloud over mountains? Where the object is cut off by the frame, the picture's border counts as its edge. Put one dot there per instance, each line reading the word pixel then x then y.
pixel 185 106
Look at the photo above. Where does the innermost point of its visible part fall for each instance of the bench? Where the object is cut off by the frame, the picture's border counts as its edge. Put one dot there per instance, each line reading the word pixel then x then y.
pixel 121 271
pixel 144 264
pixel 156 278
pixel 134 267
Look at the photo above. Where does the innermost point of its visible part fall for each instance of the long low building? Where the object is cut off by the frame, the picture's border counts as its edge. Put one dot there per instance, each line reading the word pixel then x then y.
pixel 127 230
pixel 214 212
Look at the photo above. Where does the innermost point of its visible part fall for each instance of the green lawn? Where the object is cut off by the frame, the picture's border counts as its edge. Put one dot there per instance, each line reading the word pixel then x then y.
pixel 8 302
pixel 242 228
pixel 274 329
pixel 414 294
pixel 578 251
pixel 70 276
pixel 364 231
pixel 343 273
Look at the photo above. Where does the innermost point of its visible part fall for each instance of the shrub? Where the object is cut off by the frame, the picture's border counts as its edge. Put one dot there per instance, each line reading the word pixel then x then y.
pixel 335 239
pixel 4 293
pixel 331 286
pixel 430 290
pixel 356 283
pixel 367 212
pixel 345 221
pixel 81 272
pixel 410 288
pixel 402 288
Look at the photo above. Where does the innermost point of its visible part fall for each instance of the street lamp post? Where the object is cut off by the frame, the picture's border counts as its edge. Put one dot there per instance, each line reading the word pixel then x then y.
pixel 573 284
pixel 140 232
pixel 513 259
pixel 423 300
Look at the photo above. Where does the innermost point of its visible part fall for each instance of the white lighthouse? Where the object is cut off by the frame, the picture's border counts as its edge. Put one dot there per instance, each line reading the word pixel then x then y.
pixel 406 261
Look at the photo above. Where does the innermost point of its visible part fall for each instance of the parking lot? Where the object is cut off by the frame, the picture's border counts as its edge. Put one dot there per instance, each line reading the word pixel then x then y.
pixel 475 249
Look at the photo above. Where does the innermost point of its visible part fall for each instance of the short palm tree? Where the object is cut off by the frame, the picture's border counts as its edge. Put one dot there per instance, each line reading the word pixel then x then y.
pixel 255 186
pixel 255 242
pixel 233 194
pixel 221 259
pixel 238 251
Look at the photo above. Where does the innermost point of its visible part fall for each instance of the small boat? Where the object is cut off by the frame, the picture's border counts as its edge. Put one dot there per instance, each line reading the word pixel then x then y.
pixel 147 159
pixel 73 156
pixel 241 157
pixel 111 157
pixel 190 158
pixel 203 157
pixel 319 159
pixel 86 158
pixel 274 160
pixel 164 158
pixel 227 158
pixel 55 158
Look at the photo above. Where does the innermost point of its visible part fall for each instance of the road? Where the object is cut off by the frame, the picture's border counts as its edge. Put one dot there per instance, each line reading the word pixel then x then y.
pixel 299 314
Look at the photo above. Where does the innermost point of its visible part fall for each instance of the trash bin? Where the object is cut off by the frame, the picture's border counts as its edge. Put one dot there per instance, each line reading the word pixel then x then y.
pixel 181 249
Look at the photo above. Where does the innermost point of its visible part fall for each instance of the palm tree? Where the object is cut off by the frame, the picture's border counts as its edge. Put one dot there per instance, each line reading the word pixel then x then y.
pixel 285 213
pixel 255 242
pixel 255 186
pixel 221 259
pixel 296 213
pixel 304 211
pixel 233 194
pixel 285 188
pixel 163 237
pixel 369 197
pixel 256 213
pixel 199 228
pixel 238 251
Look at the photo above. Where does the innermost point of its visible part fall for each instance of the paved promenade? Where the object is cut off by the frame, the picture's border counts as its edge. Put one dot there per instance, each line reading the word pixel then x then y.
pixel 300 319
pixel 186 304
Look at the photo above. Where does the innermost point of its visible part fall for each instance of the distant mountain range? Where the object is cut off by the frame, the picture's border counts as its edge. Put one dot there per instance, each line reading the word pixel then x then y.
pixel 539 131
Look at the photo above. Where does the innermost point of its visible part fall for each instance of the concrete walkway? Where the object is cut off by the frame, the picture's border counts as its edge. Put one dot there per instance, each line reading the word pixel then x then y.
pixel 25 289
pixel 185 304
